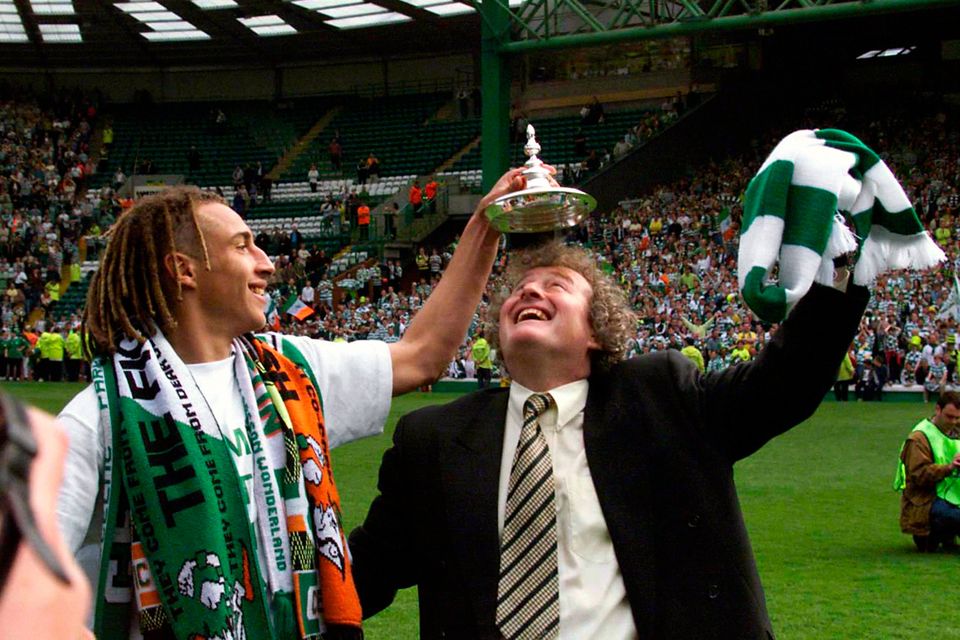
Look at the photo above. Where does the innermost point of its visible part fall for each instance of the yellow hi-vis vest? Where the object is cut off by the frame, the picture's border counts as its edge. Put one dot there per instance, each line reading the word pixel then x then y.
pixel 944 449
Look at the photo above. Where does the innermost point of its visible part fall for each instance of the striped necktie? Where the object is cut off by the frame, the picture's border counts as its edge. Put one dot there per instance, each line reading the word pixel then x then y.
pixel 528 595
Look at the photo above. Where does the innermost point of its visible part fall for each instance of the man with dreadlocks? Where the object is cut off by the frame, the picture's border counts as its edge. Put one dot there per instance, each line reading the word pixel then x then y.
pixel 209 448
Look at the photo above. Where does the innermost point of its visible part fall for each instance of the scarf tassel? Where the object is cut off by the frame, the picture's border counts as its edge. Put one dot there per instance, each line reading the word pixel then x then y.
pixel 841 241
pixel 884 250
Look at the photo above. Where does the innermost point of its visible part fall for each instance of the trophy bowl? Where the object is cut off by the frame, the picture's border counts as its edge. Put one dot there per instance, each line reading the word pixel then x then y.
pixel 542 205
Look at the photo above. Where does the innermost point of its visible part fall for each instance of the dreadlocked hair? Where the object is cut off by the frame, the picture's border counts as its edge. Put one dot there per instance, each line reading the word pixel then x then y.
pixel 129 297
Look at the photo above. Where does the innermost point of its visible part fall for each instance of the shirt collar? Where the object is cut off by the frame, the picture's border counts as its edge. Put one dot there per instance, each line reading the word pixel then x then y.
pixel 569 400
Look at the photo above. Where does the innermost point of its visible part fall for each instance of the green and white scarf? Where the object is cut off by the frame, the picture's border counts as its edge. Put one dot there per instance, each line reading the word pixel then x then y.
pixel 175 508
pixel 794 216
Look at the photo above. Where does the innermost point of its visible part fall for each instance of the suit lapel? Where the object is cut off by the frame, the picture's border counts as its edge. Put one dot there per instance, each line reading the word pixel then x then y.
pixel 622 477
pixel 470 478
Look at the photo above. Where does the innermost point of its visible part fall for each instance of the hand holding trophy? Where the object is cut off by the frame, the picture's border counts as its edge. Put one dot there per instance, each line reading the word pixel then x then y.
pixel 543 205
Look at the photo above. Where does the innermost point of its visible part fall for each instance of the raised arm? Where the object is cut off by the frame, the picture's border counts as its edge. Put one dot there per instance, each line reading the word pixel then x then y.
pixel 753 402
pixel 438 328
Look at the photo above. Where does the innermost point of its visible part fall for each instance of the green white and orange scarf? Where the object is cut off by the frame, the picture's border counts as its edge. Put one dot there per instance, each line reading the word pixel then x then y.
pixel 177 536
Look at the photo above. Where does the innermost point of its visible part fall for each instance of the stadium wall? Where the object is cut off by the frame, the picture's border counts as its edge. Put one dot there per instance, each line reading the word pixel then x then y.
pixel 368 76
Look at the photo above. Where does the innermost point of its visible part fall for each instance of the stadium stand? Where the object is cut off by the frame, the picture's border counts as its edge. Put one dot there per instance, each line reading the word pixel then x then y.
pixel 157 139
pixel 558 137
pixel 667 247
pixel 386 127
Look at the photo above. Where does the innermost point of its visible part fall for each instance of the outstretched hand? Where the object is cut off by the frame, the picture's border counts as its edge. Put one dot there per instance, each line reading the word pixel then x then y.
pixel 512 180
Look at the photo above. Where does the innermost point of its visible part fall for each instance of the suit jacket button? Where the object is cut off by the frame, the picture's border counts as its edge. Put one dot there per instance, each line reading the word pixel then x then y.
pixel 713 591
pixel 694 521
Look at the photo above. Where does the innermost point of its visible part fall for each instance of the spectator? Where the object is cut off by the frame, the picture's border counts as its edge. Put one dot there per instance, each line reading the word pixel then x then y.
pixel 308 294
pixel 936 380
pixel 237 176
pixel 430 189
pixel 622 147
pixel 435 262
pixel 690 351
pixel 841 389
pixel 266 184
pixel 422 261
pixel 313 177
pixel 867 386
pixel 74 353
pixel 293 240
pixel 336 154
pixel 483 365
pixel 415 196
pixel 373 167
pixel 928 474
pixel 592 113
pixel 362 171
pixel 194 160
pixel 363 220
pixel 240 200
pixel 391 214
pixel 107 137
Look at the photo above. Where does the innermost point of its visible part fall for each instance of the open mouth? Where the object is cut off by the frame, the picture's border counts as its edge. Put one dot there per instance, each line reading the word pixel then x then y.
pixel 258 290
pixel 531 313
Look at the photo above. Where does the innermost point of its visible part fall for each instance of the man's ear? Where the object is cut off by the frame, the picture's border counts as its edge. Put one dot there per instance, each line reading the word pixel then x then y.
pixel 181 269
pixel 593 344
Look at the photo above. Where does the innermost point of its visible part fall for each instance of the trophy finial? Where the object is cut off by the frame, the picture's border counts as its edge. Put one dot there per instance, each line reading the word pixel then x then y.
pixel 532 148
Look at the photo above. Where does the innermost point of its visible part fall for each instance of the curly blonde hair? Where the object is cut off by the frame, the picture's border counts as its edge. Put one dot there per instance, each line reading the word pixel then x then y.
pixel 611 318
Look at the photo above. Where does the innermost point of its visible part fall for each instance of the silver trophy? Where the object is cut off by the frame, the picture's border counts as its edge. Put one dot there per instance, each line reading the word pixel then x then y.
pixel 543 205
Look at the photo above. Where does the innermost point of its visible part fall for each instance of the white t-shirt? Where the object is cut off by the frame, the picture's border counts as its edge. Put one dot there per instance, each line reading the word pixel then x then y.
pixel 355 382
pixel 307 294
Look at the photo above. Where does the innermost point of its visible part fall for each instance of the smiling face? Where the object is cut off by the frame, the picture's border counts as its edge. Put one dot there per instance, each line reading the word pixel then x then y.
pixel 230 297
pixel 546 322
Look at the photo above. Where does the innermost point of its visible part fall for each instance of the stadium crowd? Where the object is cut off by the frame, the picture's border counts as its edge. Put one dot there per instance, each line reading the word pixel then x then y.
pixel 45 162
pixel 673 250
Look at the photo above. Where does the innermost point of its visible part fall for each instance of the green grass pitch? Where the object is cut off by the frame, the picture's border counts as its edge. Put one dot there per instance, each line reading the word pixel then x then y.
pixel 818 503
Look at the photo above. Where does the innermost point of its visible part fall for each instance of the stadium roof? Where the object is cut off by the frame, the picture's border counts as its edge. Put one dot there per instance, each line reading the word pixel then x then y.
pixel 130 33
pixel 104 34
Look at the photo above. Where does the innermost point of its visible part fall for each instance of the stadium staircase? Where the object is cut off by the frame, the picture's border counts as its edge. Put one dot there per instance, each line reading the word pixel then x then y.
pixel 282 125
pixel 387 127
pixel 303 144
pixel 449 163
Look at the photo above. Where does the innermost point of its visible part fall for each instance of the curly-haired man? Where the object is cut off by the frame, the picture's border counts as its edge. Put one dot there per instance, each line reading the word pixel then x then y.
pixel 594 498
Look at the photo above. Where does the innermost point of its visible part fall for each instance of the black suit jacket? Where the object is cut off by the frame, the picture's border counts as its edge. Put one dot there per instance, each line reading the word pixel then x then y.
pixel 661 440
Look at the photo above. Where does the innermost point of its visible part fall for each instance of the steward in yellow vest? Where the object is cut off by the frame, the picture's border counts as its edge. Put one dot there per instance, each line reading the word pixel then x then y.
pixel 74 349
pixel 929 477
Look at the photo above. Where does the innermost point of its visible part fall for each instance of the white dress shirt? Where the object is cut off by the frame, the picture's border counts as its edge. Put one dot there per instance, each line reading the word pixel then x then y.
pixel 593 600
